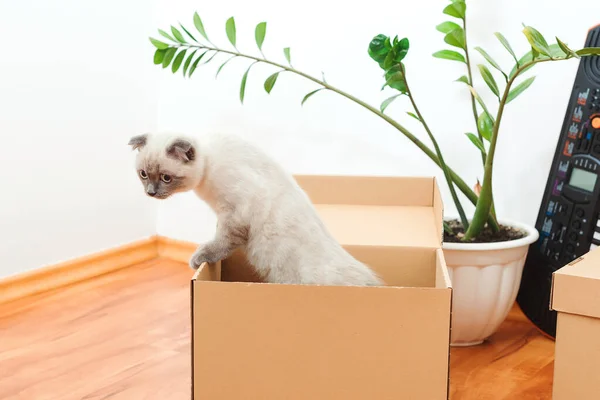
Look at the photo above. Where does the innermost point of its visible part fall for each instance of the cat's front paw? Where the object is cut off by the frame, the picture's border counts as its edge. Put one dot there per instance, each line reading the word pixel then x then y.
pixel 204 254
pixel 197 259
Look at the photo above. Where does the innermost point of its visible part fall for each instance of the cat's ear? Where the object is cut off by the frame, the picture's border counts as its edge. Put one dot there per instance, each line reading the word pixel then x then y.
pixel 182 150
pixel 139 141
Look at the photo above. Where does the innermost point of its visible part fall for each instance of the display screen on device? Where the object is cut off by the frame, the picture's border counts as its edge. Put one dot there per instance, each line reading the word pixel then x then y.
pixel 583 179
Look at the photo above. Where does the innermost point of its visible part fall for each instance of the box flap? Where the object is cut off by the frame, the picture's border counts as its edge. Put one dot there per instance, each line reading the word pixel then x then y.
pixel 576 286
pixel 390 211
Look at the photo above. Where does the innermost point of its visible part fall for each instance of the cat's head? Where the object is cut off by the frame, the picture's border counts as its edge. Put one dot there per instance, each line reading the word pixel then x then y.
pixel 167 163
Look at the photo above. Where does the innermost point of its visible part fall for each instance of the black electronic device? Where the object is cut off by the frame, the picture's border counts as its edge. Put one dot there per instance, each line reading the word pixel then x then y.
pixel 570 209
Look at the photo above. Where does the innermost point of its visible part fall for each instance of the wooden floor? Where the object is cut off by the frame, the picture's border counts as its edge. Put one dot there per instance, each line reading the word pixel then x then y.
pixel 126 336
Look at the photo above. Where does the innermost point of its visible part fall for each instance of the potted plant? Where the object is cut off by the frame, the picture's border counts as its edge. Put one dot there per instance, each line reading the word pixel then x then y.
pixel 485 254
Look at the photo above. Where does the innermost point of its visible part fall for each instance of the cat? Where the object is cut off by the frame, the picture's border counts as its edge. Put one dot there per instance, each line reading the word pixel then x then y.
pixel 259 207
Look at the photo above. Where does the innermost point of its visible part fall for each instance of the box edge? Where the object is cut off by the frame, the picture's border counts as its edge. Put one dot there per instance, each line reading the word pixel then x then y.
pixel 192 323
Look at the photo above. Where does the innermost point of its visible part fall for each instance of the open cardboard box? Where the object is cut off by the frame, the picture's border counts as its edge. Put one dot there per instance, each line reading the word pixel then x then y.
pixel 576 299
pixel 254 340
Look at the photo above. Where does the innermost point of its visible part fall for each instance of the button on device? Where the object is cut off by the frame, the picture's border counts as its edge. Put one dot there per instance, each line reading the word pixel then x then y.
pixel 579 212
pixel 573 236
pixel 570 248
pixel 577 224
pixel 596 123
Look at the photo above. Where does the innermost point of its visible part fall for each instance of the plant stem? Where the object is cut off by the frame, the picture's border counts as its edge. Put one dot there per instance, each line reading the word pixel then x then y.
pixel 473 103
pixel 443 165
pixel 476 117
pixel 460 183
pixel 484 205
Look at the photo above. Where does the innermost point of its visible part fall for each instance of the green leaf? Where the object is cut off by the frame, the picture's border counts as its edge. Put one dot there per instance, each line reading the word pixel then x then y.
pixel 536 40
pixel 230 30
pixel 211 58
pixel 447 27
pixel 588 51
pixel 463 79
pixel 489 79
pixel 506 45
pixel 260 33
pixel 456 9
pixel 379 47
pixel 456 38
pixel 414 116
pixel 555 51
pixel 395 80
pixel 195 64
pixel 222 65
pixel 158 44
pixel 485 126
pixel 199 25
pixel 388 101
pixel 165 34
pixel 159 55
pixel 449 55
pixel 481 103
pixel 188 32
pixel 396 54
pixel 177 35
pixel 243 85
pixel 170 53
pixel 309 95
pixel 270 81
pixel 489 59
pixel 288 57
pixel 563 46
pixel 520 88
pixel 178 60
pixel 475 140
pixel 188 62
pixel 399 50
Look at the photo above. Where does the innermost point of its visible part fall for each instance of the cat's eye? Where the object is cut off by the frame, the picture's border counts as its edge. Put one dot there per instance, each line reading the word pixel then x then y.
pixel 166 178
pixel 143 174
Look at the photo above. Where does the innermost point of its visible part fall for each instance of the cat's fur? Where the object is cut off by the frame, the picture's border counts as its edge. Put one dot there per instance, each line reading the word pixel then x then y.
pixel 259 208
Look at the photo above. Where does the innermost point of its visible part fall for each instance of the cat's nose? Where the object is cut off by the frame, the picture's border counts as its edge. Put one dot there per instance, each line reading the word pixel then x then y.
pixel 150 190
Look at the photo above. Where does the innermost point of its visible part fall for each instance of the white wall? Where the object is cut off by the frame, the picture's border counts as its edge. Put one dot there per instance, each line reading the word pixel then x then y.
pixel 330 134
pixel 77 80
pixel 75 84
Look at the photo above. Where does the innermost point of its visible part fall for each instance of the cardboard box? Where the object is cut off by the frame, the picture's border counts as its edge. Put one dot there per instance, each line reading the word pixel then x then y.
pixel 253 340
pixel 576 299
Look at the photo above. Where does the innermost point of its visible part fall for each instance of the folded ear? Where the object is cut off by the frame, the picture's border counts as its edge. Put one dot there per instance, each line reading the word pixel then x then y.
pixel 139 141
pixel 182 150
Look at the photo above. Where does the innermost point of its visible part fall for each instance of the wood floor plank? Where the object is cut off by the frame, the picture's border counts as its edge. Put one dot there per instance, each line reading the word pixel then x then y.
pixel 125 336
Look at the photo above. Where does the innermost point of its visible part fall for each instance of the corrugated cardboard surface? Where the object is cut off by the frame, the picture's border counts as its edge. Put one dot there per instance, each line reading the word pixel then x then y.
pixel 411 267
pixel 368 191
pixel 576 287
pixel 268 341
pixel 577 358
pixel 381 225
pixel 255 340
pixel 576 298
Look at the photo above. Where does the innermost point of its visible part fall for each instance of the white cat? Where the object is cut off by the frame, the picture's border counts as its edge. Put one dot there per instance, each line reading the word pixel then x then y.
pixel 260 208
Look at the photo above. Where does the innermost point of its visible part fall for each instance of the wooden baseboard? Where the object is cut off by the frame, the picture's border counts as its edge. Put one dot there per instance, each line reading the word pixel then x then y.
pixel 79 269
pixel 174 249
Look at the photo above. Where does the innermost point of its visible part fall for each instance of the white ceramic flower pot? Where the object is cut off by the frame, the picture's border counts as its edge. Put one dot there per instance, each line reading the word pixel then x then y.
pixel 485 280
